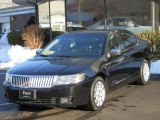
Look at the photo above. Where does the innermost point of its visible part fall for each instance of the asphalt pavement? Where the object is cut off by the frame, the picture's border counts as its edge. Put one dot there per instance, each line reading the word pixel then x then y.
pixel 2 77
pixel 130 102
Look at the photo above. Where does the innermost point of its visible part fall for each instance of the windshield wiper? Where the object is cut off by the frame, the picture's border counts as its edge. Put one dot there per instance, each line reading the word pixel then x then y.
pixel 43 55
pixel 66 56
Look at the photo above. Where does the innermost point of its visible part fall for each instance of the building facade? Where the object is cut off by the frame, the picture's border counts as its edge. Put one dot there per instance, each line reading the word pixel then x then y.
pixel 61 15
pixel 14 16
pixel 133 15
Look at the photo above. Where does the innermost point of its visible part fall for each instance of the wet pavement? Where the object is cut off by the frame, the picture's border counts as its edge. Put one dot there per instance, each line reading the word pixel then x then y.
pixel 130 102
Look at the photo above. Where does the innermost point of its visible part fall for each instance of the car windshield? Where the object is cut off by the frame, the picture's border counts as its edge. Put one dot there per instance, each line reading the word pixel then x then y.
pixel 76 45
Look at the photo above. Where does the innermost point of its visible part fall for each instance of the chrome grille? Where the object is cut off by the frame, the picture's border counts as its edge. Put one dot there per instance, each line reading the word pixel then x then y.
pixel 33 81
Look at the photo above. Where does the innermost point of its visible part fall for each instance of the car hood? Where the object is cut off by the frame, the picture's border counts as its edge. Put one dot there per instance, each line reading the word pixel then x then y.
pixel 52 66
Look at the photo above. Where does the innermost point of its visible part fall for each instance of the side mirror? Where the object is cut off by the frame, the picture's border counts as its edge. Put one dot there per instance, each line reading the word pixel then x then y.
pixel 38 51
pixel 115 52
pixel 106 57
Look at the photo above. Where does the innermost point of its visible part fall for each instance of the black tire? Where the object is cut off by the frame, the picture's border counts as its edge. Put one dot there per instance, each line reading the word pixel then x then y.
pixel 91 106
pixel 142 80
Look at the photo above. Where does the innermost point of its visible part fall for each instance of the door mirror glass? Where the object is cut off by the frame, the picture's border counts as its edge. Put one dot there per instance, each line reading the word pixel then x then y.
pixel 115 52
pixel 38 51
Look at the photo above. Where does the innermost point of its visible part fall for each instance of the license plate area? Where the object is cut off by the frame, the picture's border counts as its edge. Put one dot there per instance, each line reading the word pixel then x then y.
pixel 27 94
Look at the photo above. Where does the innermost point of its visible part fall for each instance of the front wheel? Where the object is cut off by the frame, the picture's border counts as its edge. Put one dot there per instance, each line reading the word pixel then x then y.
pixel 97 94
pixel 144 73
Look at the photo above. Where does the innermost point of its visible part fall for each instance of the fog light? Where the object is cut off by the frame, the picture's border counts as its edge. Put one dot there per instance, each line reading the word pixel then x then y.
pixel 68 100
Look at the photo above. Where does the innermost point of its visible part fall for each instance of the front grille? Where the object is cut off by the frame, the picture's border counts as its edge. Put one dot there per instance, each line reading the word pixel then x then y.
pixel 33 81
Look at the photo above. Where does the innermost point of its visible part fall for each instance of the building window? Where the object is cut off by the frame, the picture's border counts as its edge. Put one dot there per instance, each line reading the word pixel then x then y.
pixel 132 15
pixel 57 15
pixel 84 14
pixel 44 15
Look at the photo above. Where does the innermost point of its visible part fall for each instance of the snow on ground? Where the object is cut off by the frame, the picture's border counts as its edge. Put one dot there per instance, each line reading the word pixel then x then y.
pixel 155 67
pixel 13 55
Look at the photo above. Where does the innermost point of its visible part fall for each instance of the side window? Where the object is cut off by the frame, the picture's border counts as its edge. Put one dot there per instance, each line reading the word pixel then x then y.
pixel 128 40
pixel 114 43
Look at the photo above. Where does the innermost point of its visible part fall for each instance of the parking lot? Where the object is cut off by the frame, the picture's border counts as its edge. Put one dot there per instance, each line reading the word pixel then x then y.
pixel 130 102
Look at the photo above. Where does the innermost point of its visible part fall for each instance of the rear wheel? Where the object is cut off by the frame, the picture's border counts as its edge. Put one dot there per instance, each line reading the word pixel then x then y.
pixel 144 73
pixel 97 94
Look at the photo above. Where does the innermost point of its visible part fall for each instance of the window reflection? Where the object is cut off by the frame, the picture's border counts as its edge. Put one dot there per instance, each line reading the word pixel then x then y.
pixel 58 15
pixel 44 15
pixel 83 13
pixel 57 8
pixel 132 15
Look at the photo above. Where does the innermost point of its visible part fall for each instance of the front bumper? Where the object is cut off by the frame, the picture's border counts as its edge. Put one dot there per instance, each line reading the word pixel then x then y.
pixel 58 96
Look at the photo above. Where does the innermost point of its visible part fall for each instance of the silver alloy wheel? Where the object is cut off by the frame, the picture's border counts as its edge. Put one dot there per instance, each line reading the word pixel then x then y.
pixel 99 93
pixel 146 72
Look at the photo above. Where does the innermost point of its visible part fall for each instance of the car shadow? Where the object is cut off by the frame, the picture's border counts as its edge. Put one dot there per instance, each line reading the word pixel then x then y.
pixel 33 108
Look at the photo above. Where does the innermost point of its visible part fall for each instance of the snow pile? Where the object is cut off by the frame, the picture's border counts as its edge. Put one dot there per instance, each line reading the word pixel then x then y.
pixel 11 56
pixel 4 48
pixel 3 53
pixel 22 54
pixel 155 67
pixel 4 40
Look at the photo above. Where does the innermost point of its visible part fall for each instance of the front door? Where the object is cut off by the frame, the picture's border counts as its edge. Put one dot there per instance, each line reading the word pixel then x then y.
pixel 117 66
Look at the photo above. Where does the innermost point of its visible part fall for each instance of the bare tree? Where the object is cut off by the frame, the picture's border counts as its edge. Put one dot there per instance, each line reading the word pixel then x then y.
pixel 33 37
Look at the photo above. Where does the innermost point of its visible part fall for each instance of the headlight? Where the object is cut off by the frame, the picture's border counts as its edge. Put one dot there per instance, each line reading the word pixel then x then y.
pixel 8 77
pixel 70 79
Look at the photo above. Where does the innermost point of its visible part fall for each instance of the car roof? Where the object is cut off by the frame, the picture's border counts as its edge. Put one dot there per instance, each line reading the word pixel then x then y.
pixel 98 31
pixel 91 31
